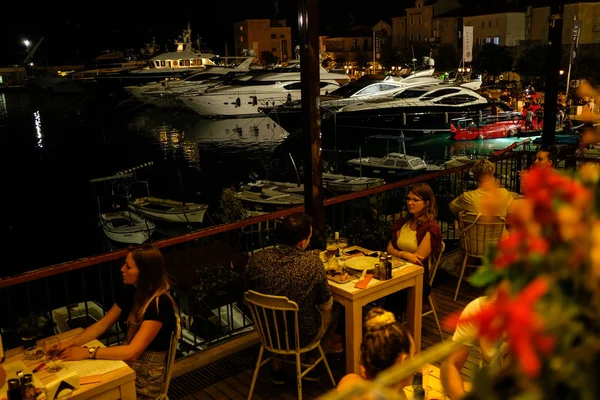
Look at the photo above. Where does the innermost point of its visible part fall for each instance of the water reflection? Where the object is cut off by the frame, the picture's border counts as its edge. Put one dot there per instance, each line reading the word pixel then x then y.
pixel 3 109
pixel 238 134
pixel 38 128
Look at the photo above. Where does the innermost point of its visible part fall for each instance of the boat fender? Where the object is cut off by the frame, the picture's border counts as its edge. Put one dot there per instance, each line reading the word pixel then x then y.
pixel 238 102
pixel 254 100
pixel 289 97
pixel 445 117
pixel 404 119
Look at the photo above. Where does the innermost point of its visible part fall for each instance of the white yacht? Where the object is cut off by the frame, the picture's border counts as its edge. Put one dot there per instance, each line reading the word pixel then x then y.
pixel 414 111
pixel 245 97
pixel 175 63
pixel 164 93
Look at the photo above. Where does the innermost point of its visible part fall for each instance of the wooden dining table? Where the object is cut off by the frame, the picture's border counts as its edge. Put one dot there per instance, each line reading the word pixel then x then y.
pixel 113 385
pixel 408 276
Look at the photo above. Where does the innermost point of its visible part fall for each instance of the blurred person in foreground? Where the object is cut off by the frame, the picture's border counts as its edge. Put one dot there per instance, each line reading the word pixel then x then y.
pixel 150 314
pixel 291 271
pixel 487 189
pixel 386 342
pixel 493 354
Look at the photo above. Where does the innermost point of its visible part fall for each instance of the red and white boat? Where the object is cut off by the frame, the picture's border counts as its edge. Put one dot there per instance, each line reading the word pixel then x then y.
pixel 492 127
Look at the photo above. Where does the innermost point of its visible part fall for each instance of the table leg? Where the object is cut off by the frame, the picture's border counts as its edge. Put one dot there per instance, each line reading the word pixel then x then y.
pixel 353 336
pixel 415 310
pixel 128 391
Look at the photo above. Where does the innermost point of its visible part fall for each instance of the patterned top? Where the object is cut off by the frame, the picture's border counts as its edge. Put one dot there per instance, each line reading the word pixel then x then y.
pixel 299 275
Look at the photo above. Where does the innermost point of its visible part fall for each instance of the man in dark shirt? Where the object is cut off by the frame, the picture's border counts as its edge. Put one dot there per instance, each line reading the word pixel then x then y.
pixel 288 270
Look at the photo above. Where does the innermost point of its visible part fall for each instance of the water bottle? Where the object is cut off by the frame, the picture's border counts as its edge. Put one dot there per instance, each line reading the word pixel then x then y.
pixel 14 390
pixel 418 391
pixel 388 266
pixel 27 387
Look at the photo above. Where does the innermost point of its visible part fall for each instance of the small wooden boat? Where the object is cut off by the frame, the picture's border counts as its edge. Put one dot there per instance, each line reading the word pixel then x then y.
pixel 117 221
pixel 344 183
pixel 266 196
pixel 168 210
pixel 161 209
pixel 122 225
pixel 392 163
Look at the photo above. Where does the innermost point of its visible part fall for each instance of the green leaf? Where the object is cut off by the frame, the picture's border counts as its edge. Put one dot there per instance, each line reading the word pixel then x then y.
pixel 483 276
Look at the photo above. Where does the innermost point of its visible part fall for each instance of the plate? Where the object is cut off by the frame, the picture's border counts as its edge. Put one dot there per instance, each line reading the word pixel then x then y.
pixel 362 263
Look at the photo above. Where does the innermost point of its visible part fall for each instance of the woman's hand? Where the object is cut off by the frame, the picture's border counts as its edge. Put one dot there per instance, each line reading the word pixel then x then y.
pixel 74 354
pixel 412 258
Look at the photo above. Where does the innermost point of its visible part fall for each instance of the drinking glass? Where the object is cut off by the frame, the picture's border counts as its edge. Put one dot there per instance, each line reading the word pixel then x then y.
pixel 331 247
pixel 342 243
pixel 52 349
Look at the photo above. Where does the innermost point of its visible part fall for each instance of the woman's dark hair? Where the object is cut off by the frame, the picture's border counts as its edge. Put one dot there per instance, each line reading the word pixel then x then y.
pixel 384 340
pixel 152 279
pixel 296 227
pixel 424 192
pixel 552 151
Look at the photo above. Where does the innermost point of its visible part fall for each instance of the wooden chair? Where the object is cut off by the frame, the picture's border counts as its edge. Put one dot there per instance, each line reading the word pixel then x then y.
pixel 477 232
pixel 276 321
pixel 171 359
pixel 433 267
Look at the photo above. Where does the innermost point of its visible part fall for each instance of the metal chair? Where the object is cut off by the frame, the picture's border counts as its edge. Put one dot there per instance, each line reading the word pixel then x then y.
pixel 477 232
pixel 433 267
pixel 171 359
pixel 276 320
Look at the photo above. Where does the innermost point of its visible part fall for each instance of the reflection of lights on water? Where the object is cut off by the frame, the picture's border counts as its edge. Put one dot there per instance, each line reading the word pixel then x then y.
pixel 38 127
pixel 3 109
pixel 172 139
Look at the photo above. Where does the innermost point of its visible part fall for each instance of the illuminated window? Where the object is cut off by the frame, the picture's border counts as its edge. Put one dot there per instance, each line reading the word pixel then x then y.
pixel 496 40
pixel 488 40
pixel 1 79
pixel 241 28
pixel 241 39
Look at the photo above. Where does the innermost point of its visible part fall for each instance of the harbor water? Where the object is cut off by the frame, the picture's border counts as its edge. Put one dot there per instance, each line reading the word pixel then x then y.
pixel 54 144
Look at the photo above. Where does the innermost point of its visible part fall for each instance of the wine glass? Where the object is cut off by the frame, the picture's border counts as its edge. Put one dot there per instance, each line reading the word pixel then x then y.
pixel 331 247
pixel 52 349
pixel 342 243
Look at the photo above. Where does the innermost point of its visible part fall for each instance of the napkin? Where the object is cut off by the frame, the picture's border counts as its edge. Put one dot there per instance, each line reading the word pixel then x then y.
pixel 363 284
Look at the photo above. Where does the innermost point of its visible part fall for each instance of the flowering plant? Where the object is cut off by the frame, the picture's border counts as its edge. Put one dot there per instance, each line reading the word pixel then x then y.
pixel 545 275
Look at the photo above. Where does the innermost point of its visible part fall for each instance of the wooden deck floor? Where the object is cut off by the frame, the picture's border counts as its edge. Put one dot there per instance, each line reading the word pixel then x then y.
pixel 237 387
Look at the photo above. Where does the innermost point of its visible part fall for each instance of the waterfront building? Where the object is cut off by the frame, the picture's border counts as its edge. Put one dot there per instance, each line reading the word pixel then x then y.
pixel 263 35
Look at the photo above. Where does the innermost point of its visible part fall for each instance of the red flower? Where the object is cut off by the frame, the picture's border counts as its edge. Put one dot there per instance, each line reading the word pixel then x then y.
pixel 516 319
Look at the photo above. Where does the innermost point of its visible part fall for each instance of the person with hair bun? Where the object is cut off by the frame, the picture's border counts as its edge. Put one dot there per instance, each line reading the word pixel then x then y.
pixel 386 342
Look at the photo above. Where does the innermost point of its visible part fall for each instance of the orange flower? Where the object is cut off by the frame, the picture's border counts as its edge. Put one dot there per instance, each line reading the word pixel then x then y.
pixel 516 319
pixel 590 173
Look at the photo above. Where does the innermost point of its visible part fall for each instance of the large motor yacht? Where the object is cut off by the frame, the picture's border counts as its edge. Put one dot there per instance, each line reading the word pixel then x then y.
pixel 414 111
pixel 244 97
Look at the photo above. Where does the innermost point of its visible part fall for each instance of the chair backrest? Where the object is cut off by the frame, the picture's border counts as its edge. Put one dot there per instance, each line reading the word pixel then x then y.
pixel 434 263
pixel 276 321
pixel 478 231
pixel 171 358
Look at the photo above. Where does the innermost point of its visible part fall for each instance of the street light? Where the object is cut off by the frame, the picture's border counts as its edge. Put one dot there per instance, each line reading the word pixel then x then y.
pixel 26 43
pixel 561 72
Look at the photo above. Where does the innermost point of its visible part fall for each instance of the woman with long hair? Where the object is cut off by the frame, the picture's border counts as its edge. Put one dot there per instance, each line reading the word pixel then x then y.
pixel 150 315
pixel 385 342
pixel 415 237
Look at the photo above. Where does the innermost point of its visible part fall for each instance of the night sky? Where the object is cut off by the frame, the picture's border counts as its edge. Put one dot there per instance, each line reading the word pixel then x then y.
pixel 73 35
pixel 74 32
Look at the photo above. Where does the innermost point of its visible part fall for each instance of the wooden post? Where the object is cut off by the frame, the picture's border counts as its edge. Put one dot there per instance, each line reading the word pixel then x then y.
pixel 311 129
pixel 553 61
